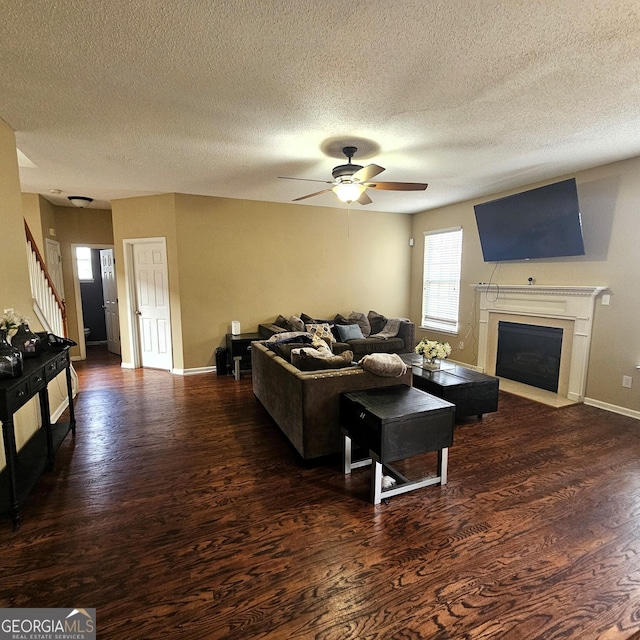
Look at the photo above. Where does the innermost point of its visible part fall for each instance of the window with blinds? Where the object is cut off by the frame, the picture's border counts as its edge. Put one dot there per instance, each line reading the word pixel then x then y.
pixel 441 281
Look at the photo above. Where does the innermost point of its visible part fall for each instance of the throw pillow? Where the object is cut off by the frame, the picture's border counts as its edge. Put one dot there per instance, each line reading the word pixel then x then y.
pixel 348 332
pixel 390 329
pixel 377 321
pixel 321 331
pixel 388 365
pixel 362 321
pixel 291 336
pixel 307 361
pixel 296 323
pixel 284 349
pixel 282 322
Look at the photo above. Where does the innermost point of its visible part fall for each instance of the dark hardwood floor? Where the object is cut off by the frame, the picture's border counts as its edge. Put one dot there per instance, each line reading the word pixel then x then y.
pixel 180 511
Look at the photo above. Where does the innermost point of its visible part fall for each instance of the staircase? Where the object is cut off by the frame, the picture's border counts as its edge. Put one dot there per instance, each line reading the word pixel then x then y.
pixel 47 304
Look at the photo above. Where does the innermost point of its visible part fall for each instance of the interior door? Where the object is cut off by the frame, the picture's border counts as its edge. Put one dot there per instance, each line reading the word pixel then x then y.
pixel 54 265
pixel 152 304
pixel 110 299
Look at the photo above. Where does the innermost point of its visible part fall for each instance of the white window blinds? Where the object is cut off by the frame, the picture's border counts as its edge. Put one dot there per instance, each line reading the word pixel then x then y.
pixel 441 282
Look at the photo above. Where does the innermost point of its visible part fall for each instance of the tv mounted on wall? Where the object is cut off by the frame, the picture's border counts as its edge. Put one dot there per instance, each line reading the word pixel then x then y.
pixel 540 223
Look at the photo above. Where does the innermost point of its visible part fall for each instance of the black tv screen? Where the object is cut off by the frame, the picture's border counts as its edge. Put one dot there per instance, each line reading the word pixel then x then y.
pixel 540 223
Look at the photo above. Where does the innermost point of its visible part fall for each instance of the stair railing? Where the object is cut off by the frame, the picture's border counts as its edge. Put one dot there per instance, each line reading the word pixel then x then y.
pixel 47 304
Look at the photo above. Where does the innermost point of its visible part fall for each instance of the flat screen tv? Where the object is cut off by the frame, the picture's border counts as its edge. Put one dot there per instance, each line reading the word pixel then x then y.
pixel 540 223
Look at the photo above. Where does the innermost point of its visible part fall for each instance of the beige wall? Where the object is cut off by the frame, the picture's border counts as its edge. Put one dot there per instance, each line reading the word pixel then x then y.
pixel 609 198
pixel 147 217
pixel 249 261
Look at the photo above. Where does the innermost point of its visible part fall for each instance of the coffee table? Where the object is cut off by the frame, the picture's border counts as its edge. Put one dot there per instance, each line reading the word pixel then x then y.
pixel 396 423
pixel 472 392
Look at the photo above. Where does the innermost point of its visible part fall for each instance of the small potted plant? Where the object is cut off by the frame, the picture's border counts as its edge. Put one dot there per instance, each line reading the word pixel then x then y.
pixel 432 352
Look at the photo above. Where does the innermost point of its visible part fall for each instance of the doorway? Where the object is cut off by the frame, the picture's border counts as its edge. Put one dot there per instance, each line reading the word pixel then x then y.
pixel 149 315
pixel 96 298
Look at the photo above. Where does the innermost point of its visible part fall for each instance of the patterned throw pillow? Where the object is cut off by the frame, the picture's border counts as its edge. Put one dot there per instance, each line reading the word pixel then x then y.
pixel 321 331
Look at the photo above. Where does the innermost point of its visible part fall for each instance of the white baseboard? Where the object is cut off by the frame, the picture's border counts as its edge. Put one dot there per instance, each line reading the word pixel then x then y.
pixel 193 372
pixel 126 365
pixel 623 411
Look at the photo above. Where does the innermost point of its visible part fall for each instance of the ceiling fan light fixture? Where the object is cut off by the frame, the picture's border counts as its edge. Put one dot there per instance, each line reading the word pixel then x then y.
pixel 80 201
pixel 348 191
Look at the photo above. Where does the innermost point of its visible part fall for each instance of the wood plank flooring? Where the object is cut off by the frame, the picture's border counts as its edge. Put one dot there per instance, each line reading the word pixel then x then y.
pixel 180 511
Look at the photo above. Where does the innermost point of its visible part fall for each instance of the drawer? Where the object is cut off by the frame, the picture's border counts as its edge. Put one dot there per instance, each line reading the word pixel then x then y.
pixel 18 396
pixel 37 382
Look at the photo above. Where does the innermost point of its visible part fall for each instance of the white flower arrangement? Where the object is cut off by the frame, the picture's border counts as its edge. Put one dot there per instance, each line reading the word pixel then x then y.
pixel 433 349
pixel 10 321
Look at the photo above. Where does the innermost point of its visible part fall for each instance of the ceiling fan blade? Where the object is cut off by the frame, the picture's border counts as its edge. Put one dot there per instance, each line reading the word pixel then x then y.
pixel 397 186
pixel 317 193
pixel 364 198
pixel 306 179
pixel 366 173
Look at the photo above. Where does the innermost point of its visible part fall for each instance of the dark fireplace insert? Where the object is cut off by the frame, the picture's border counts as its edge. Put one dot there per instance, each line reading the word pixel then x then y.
pixel 529 354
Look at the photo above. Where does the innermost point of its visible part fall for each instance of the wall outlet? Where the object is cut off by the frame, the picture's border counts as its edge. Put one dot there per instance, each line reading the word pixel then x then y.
pixel 461 345
pixel 606 299
pixel 626 382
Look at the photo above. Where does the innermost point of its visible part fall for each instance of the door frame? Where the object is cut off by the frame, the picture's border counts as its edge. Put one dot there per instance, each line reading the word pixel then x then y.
pixel 77 292
pixel 130 286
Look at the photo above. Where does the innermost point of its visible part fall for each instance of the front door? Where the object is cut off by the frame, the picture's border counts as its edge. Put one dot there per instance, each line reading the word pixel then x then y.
pixel 152 304
pixel 110 299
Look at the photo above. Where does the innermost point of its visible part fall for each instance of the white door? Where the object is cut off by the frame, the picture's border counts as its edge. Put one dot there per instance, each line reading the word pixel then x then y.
pixel 152 304
pixel 54 265
pixel 110 298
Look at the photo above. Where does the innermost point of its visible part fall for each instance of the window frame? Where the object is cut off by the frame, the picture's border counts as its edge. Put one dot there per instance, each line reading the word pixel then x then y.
pixel 81 264
pixel 449 275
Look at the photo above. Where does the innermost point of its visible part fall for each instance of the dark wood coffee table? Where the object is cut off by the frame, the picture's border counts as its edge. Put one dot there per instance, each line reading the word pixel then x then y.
pixel 396 423
pixel 472 392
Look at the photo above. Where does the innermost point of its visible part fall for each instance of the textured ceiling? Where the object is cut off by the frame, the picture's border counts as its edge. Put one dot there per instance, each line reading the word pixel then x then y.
pixel 118 99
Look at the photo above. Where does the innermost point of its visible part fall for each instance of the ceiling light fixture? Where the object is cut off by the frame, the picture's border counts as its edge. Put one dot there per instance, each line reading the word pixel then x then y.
pixel 348 191
pixel 80 201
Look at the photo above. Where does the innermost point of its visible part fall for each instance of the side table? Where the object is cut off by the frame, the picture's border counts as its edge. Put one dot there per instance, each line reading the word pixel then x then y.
pixel 239 351
pixel 395 423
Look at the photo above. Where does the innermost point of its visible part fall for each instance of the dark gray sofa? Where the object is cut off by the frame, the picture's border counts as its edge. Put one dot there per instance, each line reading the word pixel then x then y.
pixel 306 404
pixel 404 342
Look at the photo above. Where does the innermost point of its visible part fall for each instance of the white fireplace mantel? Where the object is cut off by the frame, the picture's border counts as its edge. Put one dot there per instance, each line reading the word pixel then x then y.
pixel 569 306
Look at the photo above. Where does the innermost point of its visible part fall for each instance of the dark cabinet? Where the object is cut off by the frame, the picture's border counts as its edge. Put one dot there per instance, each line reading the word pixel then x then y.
pixel 23 468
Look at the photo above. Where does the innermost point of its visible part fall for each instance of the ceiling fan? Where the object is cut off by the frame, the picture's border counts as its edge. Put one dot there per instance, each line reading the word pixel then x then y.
pixel 351 181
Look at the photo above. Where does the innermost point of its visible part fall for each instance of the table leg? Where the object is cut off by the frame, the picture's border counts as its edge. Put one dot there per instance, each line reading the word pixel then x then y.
pixel 346 454
pixel 443 462
pixel 10 454
pixel 376 479
pixel 236 367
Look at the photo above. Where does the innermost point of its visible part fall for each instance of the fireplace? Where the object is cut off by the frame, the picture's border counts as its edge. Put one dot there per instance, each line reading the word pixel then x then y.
pixel 529 354
pixel 565 307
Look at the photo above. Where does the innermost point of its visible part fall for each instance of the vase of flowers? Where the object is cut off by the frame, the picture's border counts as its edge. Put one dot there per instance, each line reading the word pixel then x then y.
pixel 10 358
pixel 432 352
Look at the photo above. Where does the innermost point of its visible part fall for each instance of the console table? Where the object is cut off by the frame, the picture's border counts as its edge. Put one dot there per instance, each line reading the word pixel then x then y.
pixel 24 467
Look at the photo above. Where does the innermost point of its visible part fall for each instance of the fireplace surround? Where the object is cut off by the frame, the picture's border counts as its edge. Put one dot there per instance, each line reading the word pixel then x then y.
pixel 569 308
